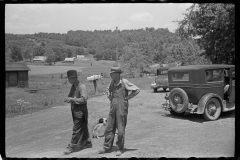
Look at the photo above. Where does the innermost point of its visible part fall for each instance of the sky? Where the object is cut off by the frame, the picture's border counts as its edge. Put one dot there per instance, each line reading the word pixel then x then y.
pixel 61 18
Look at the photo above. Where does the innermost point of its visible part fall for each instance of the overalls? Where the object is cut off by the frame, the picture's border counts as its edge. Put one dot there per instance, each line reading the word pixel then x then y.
pixel 80 135
pixel 117 118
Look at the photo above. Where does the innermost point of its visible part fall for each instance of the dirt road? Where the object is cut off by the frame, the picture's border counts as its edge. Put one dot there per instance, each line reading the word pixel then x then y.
pixel 151 132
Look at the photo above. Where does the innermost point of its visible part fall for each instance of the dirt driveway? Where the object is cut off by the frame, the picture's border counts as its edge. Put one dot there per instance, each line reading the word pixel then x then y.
pixel 151 132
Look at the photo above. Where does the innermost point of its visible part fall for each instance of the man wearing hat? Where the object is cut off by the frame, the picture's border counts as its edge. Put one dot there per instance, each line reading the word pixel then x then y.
pixel 117 93
pixel 78 99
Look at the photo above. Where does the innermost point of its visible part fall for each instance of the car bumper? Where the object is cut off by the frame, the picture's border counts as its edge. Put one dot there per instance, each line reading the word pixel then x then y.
pixel 154 85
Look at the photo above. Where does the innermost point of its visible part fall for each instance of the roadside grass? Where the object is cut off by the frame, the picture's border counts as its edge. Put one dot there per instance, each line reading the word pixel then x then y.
pixel 52 88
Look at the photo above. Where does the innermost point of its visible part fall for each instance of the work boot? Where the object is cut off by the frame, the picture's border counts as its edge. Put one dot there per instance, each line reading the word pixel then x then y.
pixel 68 151
pixel 87 145
pixel 119 152
pixel 102 151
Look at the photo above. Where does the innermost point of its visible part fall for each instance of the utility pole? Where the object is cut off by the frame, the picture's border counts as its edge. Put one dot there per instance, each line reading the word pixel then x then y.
pixel 117 45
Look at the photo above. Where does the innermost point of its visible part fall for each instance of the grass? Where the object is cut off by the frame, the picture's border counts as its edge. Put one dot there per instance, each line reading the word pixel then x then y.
pixel 54 87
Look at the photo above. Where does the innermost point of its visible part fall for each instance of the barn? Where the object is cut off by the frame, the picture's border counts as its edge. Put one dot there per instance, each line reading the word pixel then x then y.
pixel 69 60
pixel 39 59
pixel 16 74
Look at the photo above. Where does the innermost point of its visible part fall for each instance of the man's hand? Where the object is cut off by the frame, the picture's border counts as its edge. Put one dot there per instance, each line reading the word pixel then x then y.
pixel 110 98
pixel 67 99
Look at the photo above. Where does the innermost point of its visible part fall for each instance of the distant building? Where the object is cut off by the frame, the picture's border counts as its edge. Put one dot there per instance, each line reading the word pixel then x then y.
pixel 39 59
pixel 80 56
pixel 69 60
pixel 16 74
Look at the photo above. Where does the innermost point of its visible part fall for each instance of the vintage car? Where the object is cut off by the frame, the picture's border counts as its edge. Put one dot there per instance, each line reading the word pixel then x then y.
pixel 161 81
pixel 200 89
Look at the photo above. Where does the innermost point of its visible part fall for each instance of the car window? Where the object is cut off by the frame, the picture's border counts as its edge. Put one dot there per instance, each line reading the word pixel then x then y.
pixel 233 75
pixel 180 76
pixel 162 72
pixel 214 75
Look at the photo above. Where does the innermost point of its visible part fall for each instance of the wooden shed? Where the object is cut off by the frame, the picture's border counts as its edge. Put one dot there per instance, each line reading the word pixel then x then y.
pixel 16 74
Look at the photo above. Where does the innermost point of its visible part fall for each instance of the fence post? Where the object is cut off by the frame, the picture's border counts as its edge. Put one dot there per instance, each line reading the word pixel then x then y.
pixel 95 86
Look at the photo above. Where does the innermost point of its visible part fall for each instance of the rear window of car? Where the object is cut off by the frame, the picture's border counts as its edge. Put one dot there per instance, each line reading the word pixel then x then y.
pixel 214 75
pixel 180 76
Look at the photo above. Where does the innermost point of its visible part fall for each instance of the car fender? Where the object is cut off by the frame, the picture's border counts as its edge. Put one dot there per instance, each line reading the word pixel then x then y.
pixel 204 99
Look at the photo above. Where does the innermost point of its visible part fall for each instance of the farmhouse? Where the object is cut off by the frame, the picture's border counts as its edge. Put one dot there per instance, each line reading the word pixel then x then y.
pixel 69 60
pixel 16 74
pixel 40 59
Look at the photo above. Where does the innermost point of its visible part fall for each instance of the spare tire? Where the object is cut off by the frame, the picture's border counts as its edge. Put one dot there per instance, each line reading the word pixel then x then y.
pixel 178 100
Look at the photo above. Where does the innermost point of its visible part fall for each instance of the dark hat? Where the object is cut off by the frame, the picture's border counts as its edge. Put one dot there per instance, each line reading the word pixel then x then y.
pixel 116 69
pixel 71 73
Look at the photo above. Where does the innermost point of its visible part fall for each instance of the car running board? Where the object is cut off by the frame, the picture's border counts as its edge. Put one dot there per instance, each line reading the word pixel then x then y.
pixel 228 106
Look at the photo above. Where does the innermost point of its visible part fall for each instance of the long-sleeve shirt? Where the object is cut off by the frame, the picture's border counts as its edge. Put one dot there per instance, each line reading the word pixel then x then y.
pixel 79 94
pixel 128 86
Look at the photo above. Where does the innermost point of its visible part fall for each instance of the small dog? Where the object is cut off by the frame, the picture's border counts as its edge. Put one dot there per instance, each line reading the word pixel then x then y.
pixel 101 122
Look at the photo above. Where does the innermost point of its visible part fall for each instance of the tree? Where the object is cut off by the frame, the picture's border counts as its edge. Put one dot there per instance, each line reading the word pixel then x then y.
pixel 214 26
pixel 133 60
pixel 59 53
pixel 39 51
pixel 69 52
pixel 16 54
pixel 27 53
pixel 50 56
pixel 79 51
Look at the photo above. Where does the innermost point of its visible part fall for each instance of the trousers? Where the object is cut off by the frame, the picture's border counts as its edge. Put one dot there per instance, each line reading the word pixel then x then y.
pixel 117 119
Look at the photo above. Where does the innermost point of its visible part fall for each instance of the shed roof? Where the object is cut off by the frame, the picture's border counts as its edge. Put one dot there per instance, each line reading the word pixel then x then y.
pixel 69 59
pixel 40 58
pixel 16 66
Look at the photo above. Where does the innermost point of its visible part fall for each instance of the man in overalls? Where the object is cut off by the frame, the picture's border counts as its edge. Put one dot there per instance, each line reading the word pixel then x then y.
pixel 117 93
pixel 78 99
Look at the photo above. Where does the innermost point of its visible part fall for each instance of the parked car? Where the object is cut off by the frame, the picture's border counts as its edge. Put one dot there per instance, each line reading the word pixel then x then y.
pixel 161 81
pixel 199 89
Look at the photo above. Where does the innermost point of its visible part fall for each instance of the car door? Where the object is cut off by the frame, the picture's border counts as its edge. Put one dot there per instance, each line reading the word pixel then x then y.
pixel 232 85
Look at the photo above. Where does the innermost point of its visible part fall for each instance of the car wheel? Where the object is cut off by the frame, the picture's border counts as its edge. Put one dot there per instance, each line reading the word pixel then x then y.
pixel 212 109
pixel 154 90
pixel 176 114
pixel 164 89
pixel 178 100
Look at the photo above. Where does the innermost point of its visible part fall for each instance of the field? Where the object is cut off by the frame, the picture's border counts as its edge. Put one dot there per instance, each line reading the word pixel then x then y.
pixel 53 86
pixel 151 131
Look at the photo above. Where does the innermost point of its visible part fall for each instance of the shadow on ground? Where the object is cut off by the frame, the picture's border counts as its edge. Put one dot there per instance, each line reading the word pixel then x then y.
pixel 199 117
pixel 161 91
pixel 114 148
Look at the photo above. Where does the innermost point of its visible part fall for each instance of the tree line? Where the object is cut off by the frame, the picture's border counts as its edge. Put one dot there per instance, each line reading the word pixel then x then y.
pixel 205 35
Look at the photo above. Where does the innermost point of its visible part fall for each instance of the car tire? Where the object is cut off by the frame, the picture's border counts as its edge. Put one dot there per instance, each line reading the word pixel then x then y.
pixel 176 114
pixel 164 89
pixel 154 90
pixel 178 100
pixel 212 109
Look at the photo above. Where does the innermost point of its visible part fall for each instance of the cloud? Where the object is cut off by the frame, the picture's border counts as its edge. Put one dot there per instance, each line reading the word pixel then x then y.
pixel 15 16
pixel 95 18
pixel 123 26
pixel 141 17
pixel 24 28
pixel 171 26
pixel 106 26
pixel 100 19
pixel 43 25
